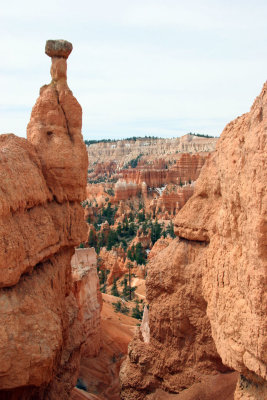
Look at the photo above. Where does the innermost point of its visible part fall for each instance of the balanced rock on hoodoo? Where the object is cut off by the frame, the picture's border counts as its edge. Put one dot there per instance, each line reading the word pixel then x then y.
pixel 55 130
pixel 58 48
pixel 42 182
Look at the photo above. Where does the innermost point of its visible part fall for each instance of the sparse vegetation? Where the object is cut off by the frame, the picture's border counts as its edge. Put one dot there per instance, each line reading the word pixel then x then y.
pixel 133 163
pixel 120 307
pixel 138 310
pixel 200 135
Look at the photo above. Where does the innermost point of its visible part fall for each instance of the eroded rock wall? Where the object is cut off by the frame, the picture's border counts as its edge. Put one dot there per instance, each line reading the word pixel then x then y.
pixel 125 190
pixel 124 151
pixel 207 288
pixel 234 285
pixel 181 349
pixel 42 183
pixel 86 289
pixel 186 169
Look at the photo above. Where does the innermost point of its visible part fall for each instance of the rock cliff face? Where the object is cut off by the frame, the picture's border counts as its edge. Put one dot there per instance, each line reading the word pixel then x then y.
pixel 42 183
pixel 181 350
pixel 234 228
pixel 124 151
pixel 207 287
pixel 124 190
pixel 88 297
pixel 186 169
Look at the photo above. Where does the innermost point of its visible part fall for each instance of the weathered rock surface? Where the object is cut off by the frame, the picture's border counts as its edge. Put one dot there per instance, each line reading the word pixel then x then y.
pixel 58 48
pixel 186 169
pixel 86 290
pixel 208 287
pixel 229 211
pixel 212 387
pixel 180 349
pixel 78 394
pixel 55 131
pixel 114 262
pixel 42 182
pixel 171 200
pixel 124 151
pixel 160 245
pixel 125 190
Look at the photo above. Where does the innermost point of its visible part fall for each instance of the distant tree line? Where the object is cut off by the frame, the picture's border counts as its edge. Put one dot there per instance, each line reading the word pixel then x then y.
pixel 135 138
pixel 200 135
pixel 132 138
pixel 89 142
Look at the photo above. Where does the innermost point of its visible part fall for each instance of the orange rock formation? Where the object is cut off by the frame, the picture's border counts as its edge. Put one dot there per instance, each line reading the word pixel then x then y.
pixel 207 287
pixel 113 261
pixel 42 183
pixel 160 245
pixel 172 199
pixel 181 350
pixel 186 169
pixel 234 229
pixel 88 297
pixel 125 190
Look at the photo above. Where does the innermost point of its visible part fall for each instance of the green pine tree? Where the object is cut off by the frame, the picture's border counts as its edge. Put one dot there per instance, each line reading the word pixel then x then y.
pixel 114 289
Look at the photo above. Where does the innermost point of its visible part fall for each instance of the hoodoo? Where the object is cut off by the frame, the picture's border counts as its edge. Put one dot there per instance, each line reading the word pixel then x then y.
pixel 42 182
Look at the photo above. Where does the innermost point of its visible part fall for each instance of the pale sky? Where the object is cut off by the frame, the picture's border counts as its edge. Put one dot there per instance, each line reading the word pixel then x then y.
pixel 149 67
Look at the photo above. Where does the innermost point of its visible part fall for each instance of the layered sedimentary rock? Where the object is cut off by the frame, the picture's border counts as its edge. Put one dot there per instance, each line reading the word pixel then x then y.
pixel 207 287
pixel 144 239
pixel 78 394
pixel 42 183
pixel 186 169
pixel 151 177
pixel 123 151
pixel 100 375
pixel 125 190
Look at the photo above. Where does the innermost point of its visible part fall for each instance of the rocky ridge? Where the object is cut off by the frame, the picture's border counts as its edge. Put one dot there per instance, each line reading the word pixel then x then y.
pixel 122 151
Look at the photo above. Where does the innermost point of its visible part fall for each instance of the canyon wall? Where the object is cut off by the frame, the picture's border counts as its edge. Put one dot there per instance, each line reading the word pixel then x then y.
pixel 186 169
pixel 207 288
pixel 123 151
pixel 234 228
pixel 42 182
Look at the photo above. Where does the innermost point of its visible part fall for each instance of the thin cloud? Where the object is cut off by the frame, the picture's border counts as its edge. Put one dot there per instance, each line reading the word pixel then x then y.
pixel 137 67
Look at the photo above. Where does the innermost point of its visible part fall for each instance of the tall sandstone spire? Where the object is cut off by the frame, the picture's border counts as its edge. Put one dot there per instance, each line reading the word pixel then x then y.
pixel 55 130
pixel 42 182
